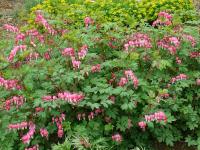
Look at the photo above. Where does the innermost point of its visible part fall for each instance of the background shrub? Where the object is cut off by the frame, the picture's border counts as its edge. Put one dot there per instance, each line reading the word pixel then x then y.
pixel 125 13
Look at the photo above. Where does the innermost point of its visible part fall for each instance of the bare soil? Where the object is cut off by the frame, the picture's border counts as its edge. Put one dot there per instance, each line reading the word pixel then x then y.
pixel 8 8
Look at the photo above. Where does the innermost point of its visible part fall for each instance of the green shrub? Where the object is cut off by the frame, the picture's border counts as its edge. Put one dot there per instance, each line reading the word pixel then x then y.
pixel 125 13
pixel 105 103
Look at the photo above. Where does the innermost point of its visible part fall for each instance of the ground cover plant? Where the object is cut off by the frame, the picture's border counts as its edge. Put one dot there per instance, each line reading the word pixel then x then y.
pixel 99 85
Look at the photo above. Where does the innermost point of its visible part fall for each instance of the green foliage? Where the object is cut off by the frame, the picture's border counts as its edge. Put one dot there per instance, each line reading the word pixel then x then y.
pixel 129 13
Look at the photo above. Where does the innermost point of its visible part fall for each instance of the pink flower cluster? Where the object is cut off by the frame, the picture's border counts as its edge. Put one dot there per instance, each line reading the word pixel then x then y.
pixel 76 63
pixel 32 56
pixel 36 147
pixel 22 125
pixel 198 81
pixel 47 55
pixel 129 74
pixel 68 52
pixel 58 121
pixel 96 68
pixel 113 78
pixel 27 137
pixel 178 60
pixel 91 115
pixel 194 54
pixel 14 52
pixel 33 33
pixel 88 21
pixel 117 137
pixel 138 40
pixel 67 96
pixel 123 81
pixel 157 116
pixel 163 19
pixel 142 125
pixel 177 78
pixel 39 109
pixel 71 53
pixel 20 37
pixel 169 43
pixel 81 116
pixel 110 43
pixel 164 95
pixel 11 28
pixel 112 98
pixel 190 38
pixel 44 133
pixel 41 20
pixel 9 84
pixel 71 97
pixel 16 100
pixel 83 52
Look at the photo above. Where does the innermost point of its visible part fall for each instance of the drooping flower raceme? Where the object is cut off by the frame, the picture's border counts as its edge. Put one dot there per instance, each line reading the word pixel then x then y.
pixel 164 95
pixel 75 63
pixel 163 19
pixel 194 54
pixel 27 137
pixel 58 121
pixel 82 52
pixel 11 28
pixel 41 20
pixel 39 109
pixel 10 84
pixel 117 137
pixel 131 75
pixel 22 125
pixel 190 38
pixel 14 52
pixel 32 56
pixel 91 115
pixel 20 37
pixel 123 81
pixel 88 21
pixel 142 125
pixel 177 78
pixel 169 43
pixel 15 100
pixel 157 116
pixel 96 68
pixel 178 60
pixel 73 98
pixel 44 133
pixel 68 52
pixel 34 34
pixel 138 40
